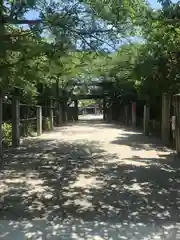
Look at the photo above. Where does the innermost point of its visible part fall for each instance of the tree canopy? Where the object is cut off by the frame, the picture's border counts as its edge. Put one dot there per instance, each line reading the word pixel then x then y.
pixel 126 45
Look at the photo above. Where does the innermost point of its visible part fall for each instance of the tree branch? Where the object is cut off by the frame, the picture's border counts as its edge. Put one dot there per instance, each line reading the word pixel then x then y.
pixel 7 20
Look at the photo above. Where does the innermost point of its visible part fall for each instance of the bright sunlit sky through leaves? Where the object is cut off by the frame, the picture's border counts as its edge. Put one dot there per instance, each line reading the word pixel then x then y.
pixel 34 14
pixel 154 4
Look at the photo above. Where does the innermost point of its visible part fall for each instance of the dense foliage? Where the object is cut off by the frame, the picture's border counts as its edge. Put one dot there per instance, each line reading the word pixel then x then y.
pixel 73 43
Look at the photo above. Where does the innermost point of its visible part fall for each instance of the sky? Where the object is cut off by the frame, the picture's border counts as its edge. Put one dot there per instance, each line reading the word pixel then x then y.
pixel 34 14
pixel 154 4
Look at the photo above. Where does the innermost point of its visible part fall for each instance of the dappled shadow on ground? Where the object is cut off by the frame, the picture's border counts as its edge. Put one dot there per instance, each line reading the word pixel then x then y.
pixel 101 124
pixel 98 124
pixel 137 141
pixel 91 125
pixel 84 191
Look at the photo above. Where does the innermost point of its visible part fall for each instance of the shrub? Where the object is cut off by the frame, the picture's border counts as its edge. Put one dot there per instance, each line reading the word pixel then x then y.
pixel 7 134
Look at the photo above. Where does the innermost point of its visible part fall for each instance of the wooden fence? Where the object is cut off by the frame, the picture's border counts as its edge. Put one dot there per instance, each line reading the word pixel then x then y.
pixel 19 120
pixel 176 113
pixel 25 119
pixel 152 125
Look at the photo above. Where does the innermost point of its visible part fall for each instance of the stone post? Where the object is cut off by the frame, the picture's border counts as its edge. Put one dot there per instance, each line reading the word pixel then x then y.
pixel 133 114
pixel 51 116
pixel 15 121
pixel 146 120
pixel 39 120
pixel 104 110
pixel 60 116
pixel 76 110
pixel 64 112
pixel 165 123
pixel 126 114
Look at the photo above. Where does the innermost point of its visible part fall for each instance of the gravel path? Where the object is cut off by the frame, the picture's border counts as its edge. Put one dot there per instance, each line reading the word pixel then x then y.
pixel 90 180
